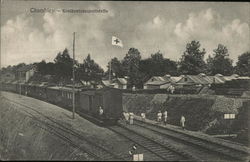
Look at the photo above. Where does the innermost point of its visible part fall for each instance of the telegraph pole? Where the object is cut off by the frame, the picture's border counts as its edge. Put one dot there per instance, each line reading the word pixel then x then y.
pixel 73 68
pixel 110 64
pixel 20 84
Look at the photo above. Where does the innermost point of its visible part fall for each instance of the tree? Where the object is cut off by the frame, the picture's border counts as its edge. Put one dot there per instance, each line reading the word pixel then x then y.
pixel 117 70
pixel 192 61
pixel 220 63
pixel 157 65
pixel 90 71
pixel 131 67
pixel 243 64
pixel 42 68
pixel 63 67
pixel 16 67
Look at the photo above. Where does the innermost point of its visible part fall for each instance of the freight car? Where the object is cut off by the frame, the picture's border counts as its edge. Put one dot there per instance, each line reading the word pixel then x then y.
pixel 87 101
pixel 108 99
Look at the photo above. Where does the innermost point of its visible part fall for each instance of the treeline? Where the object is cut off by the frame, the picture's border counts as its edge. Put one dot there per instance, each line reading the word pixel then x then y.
pixel 139 70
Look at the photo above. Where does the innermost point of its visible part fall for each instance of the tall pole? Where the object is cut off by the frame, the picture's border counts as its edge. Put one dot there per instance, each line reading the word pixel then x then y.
pixel 20 83
pixel 73 68
pixel 110 71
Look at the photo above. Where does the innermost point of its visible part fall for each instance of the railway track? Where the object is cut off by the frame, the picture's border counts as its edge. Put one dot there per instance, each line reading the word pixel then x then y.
pixel 66 134
pixel 154 149
pixel 201 143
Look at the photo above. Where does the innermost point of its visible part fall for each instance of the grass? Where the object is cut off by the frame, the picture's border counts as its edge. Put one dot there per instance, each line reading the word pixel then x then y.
pixel 202 112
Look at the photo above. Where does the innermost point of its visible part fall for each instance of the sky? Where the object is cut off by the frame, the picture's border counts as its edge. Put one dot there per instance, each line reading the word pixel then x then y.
pixel 29 35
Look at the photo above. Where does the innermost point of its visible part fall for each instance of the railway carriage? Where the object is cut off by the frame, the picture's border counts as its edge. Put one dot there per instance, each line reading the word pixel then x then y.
pixel 109 99
pixel 62 96
pixel 41 92
pixel 54 95
pixel 87 101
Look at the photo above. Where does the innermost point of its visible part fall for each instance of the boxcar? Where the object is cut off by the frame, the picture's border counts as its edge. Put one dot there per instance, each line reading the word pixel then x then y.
pixel 110 99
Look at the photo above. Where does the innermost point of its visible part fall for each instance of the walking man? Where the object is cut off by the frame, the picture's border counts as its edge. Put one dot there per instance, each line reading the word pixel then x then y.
pixel 182 121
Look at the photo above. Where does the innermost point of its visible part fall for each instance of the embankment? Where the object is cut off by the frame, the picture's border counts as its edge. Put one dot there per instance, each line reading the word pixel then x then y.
pixel 31 129
pixel 202 112
pixel 21 138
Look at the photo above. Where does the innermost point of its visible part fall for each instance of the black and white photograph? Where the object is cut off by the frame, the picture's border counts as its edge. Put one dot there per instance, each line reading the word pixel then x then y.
pixel 125 81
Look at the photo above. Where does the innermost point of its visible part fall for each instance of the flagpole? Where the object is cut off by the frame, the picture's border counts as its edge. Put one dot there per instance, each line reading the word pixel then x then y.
pixel 73 97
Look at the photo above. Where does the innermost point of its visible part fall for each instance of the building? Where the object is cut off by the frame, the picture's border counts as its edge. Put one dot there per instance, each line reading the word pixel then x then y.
pixel 204 80
pixel 120 83
pixel 219 79
pixel 160 82
pixel 25 73
pixel 8 76
pixel 193 80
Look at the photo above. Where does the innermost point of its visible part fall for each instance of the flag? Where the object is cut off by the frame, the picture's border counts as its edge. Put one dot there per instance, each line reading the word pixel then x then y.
pixel 116 41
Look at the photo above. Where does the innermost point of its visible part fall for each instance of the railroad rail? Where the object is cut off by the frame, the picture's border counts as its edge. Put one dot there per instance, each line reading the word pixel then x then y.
pixel 211 146
pixel 94 150
pixel 160 152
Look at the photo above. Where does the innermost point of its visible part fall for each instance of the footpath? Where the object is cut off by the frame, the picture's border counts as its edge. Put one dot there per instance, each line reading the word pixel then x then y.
pixel 196 134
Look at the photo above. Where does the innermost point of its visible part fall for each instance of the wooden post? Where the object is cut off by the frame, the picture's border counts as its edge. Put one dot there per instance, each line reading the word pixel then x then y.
pixel 73 97
pixel 20 84
pixel 110 64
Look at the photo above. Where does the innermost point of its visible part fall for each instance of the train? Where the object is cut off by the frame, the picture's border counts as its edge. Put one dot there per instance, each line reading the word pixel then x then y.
pixel 87 101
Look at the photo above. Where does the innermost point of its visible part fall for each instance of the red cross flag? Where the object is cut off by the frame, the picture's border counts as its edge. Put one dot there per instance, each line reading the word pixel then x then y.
pixel 116 41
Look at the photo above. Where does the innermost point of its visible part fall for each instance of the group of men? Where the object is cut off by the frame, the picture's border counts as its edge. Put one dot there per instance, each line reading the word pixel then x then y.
pixel 129 117
pixel 164 115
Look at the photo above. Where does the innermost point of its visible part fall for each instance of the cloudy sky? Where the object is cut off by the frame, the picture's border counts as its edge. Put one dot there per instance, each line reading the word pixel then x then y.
pixel 148 26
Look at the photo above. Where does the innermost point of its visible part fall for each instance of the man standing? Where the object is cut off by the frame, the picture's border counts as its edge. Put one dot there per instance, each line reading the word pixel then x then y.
pixel 182 121
pixel 159 116
pixel 143 116
pixel 131 118
pixel 101 112
pixel 126 117
pixel 165 117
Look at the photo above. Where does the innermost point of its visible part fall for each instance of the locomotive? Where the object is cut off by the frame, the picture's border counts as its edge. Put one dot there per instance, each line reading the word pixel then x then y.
pixel 87 101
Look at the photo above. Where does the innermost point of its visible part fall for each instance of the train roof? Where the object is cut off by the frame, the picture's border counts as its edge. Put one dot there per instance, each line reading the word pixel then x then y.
pixel 62 88
pixel 102 90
